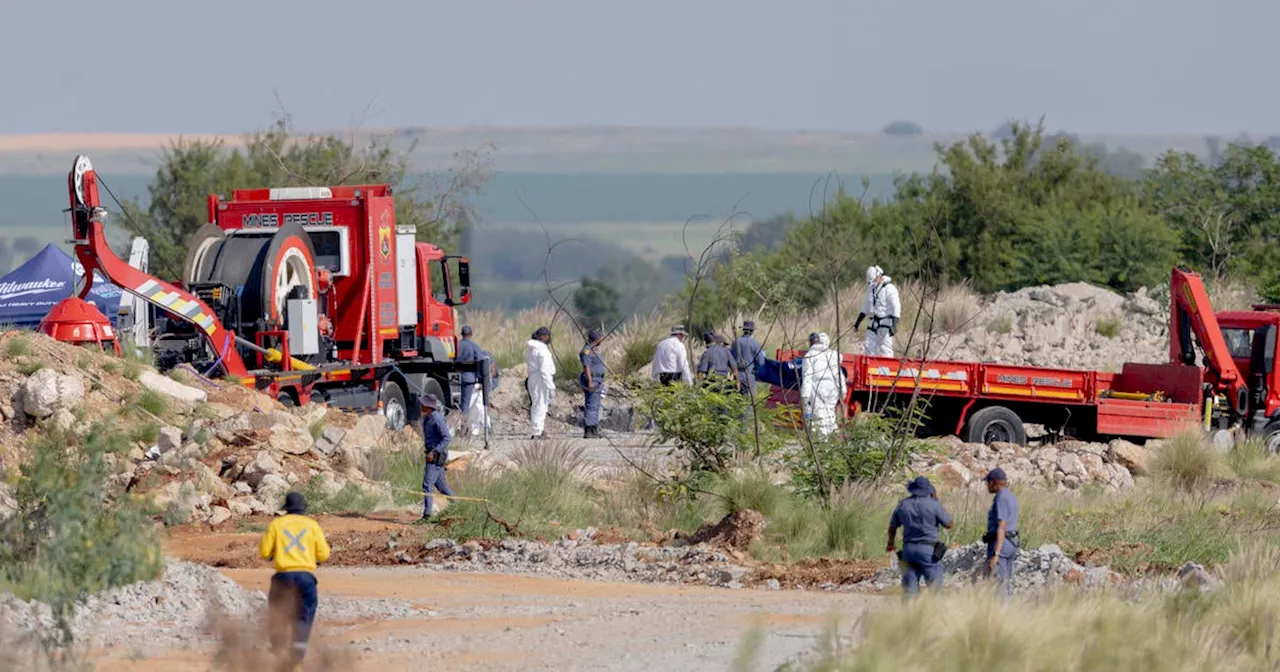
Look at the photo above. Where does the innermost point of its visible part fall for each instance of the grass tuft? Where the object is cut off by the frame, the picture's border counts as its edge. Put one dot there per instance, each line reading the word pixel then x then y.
pixel 1189 462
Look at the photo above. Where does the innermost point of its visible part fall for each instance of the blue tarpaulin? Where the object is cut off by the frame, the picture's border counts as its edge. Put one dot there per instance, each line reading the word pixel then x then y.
pixel 29 291
pixel 783 374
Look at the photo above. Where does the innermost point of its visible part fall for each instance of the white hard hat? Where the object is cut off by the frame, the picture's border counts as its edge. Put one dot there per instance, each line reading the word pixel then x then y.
pixel 874 272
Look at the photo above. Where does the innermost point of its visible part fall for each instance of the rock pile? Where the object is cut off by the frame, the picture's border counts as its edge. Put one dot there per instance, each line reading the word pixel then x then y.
pixel 583 558
pixel 1063 466
pixel 219 451
pixel 180 607
pixel 1074 325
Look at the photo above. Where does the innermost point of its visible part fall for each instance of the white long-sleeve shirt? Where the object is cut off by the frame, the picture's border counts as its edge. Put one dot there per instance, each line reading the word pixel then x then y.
pixel 672 357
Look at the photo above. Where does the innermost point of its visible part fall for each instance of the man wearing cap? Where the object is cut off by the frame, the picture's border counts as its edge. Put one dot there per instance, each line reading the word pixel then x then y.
pixel 469 353
pixel 749 354
pixel 671 359
pixel 295 544
pixel 717 361
pixel 435 437
pixel 919 516
pixel 1002 531
pixel 541 383
pixel 592 383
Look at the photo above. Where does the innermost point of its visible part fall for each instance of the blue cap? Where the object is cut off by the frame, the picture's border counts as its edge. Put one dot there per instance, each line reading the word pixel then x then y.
pixel 594 335
pixel 430 401
pixel 996 474
pixel 542 331
pixel 466 330
pixel 748 326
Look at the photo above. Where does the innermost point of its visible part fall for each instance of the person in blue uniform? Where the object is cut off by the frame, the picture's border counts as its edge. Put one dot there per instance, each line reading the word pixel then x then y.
pixel 592 383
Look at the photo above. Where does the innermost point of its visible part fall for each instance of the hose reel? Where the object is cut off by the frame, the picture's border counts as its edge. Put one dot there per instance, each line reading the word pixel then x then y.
pixel 265 268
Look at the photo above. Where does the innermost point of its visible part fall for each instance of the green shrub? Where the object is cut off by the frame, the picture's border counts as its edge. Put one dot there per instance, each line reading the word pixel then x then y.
pixel 70 537
pixel 1002 325
pixel 348 499
pixel 132 369
pixel 1108 326
pixel 1188 462
pixel 748 488
pixel 29 366
pixel 1250 459
pixel 153 402
pixel 17 346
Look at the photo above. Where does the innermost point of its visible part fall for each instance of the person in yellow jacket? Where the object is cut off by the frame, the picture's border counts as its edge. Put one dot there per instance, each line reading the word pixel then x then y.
pixel 296 544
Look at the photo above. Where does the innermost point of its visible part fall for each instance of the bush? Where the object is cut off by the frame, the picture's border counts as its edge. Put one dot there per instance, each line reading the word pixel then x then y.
pixel 349 499
pixel 1108 326
pixel 17 346
pixel 1234 628
pixel 71 537
pixel 1250 459
pixel 153 402
pixel 867 447
pixel 748 488
pixel 708 425
pixel 1188 462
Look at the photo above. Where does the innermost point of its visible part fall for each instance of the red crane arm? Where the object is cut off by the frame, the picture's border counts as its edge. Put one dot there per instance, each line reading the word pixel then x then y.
pixel 1192 315
pixel 87 217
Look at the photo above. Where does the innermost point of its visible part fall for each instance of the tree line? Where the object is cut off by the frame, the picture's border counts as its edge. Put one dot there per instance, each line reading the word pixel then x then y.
pixel 1026 208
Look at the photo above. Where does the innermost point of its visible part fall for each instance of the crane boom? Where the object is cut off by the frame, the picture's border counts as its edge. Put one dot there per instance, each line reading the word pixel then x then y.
pixel 87 219
pixel 1191 317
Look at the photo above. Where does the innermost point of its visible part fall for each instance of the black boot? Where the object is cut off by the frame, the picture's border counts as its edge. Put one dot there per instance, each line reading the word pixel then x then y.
pixel 586 432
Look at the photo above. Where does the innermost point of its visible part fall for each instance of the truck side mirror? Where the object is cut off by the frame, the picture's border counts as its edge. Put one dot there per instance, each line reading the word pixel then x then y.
pixel 457 281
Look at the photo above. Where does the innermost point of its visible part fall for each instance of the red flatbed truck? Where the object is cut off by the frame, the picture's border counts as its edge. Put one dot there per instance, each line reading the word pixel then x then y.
pixel 1235 385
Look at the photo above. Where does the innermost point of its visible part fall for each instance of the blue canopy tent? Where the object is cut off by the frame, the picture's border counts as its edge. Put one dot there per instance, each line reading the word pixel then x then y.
pixel 29 291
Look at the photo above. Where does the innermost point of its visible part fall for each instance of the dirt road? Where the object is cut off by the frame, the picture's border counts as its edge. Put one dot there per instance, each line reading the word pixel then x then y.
pixel 511 622
pixel 506 622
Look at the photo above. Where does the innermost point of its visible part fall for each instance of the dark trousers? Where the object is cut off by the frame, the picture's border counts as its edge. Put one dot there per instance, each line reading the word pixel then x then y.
pixel 591 401
pixel 917 564
pixel 291 603
pixel 669 378
pixel 433 477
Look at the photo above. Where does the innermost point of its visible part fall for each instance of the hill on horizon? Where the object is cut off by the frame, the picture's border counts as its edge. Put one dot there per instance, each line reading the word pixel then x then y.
pixel 586 149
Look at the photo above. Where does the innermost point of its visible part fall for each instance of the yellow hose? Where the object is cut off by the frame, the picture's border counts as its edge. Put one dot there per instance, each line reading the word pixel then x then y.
pixel 274 356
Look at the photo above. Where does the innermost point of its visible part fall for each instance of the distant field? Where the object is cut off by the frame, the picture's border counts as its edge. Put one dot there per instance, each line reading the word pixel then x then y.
pixel 649 240
pixel 588 149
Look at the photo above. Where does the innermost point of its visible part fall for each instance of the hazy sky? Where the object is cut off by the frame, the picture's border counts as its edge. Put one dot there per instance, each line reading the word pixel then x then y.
pixel 1089 65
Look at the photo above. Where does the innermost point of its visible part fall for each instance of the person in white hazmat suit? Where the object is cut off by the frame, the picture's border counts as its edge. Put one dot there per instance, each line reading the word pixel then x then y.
pixel 884 308
pixel 541 383
pixel 477 411
pixel 822 384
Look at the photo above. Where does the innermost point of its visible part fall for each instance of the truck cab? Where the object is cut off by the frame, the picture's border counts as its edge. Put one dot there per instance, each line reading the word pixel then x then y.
pixel 1250 337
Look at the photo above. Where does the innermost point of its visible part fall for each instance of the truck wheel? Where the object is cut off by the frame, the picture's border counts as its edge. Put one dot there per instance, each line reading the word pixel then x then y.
pixel 995 424
pixel 286 399
pixel 1271 437
pixel 393 406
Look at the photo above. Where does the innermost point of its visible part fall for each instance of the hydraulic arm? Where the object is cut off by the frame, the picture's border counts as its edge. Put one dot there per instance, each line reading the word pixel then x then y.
pixel 87 219
pixel 1191 317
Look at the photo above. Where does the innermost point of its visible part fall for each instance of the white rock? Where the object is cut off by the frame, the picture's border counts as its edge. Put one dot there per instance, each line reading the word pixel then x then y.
pixel 170 387
pixel 291 441
pixel 271 489
pixel 263 465
pixel 241 506
pixel 219 515
pixel 170 439
pixel 46 391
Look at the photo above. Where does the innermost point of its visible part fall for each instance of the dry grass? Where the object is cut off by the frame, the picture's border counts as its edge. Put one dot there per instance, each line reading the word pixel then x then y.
pixel 1235 628
pixel 1231 293
pixel 1189 462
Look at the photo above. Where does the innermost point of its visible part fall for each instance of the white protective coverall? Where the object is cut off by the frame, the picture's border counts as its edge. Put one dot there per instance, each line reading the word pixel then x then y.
pixel 881 304
pixel 476 413
pixel 542 385
pixel 822 385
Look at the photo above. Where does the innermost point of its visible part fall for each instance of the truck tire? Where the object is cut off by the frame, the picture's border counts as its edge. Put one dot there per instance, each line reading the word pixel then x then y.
pixel 1271 437
pixel 393 406
pixel 995 424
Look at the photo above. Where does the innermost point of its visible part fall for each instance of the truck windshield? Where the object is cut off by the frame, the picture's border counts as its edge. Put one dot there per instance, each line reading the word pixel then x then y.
pixel 1239 342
